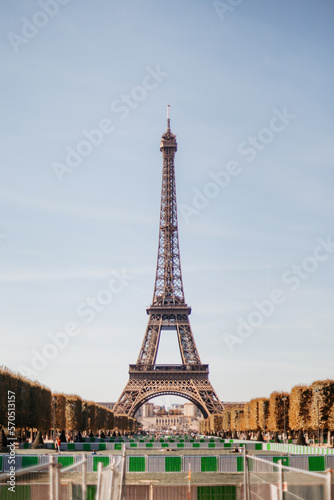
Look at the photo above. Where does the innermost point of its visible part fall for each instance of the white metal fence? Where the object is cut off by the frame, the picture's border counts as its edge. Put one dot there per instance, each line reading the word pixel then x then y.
pixel 51 481
pixel 111 480
pixel 267 480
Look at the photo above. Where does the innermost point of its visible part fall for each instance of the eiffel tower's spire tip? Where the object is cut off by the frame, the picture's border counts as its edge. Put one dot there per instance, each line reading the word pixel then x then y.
pixel 168 118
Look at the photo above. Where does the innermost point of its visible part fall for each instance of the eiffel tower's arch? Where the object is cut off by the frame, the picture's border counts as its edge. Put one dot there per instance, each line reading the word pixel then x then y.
pixel 161 392
pixel 198 392
pixel 168 311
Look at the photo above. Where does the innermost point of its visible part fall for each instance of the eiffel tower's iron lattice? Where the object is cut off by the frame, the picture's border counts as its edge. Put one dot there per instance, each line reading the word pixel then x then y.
pixel 168 311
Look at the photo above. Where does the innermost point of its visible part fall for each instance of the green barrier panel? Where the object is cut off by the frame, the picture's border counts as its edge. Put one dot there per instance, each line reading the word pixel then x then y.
pixel 121 440
pixel 227 445
pixel 201 440
pixel 149 445
pixel 180 445
pixel 212 445
pixel 316 463
pixel 196 445
pixel 172 464
pixel 164 445
pixel 222 440
pixel 66 461
pixel 133 445
pixel 268 447
pixel 136 464
pixel 231 440
pixel 212 440
pixel 141 441
pixel 22 492
pixel 102 446
pixel 208 464
pixel 86 447
pixel 25 446
pixel 96 460
pixel 181 440
pixel 161 440
pixel 192 440
pixel 70 446
pixel 0 463
pixel 285 460
pixel 91 491
pixel 118 446
pixel 258 446
pixel 240 464
pixel 132 440
pixel 172 440
pixel 92 440
pixel 216 493
pixel 29 461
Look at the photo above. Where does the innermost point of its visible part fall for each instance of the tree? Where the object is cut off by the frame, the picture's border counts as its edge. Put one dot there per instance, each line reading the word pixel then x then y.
pixel 38 443
pixel 276 411
pixel 299 410
pixel 73 413
pixel 3 440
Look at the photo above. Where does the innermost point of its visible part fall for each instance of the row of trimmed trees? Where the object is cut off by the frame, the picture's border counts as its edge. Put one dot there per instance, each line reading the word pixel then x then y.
pixel 305 408
pixel 36 407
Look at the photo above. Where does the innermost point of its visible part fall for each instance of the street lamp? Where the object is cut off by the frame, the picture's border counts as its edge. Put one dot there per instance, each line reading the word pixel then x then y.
pixel 284 399
pixel 237 423
pixel 74 407
pixel 318 390
pixel 54 417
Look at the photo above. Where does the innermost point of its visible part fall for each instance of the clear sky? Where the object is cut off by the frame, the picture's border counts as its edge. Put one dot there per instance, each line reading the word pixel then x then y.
pixel 84 91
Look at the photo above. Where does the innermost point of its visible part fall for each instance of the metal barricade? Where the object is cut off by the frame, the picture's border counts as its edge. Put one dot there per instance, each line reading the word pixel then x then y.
pixel 111 479
pixel 271 480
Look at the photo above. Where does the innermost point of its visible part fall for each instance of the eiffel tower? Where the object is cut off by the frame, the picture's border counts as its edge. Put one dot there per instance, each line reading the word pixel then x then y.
pixel 168 311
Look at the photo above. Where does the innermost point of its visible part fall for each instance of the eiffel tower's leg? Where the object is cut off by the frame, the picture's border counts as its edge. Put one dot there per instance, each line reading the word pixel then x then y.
pixel 208 396
pixel 126 402
pixel 187 345
pixel 149 348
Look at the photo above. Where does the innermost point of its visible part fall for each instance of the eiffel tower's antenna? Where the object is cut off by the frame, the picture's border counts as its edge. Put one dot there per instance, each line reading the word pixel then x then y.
pixel 168 118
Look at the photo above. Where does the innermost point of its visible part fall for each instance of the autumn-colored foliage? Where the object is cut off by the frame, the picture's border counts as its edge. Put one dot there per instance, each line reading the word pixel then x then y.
pixel 36 408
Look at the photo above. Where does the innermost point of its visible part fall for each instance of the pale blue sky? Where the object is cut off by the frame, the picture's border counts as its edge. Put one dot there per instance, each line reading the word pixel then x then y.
pixel 228 78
